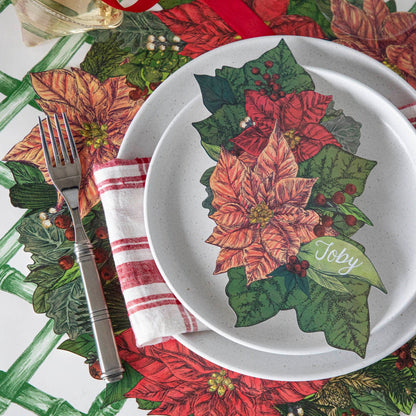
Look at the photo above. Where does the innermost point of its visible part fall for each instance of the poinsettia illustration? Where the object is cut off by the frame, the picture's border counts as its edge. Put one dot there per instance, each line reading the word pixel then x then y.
pixel 98 114
pixel 260 215
pixel 298 116
pixel 388 37
pixel 185 383
pixel 197 25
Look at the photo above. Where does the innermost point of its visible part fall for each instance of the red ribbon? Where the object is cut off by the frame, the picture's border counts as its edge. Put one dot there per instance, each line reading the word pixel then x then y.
pixel 235 14
pixel 139 6
pixel 240 18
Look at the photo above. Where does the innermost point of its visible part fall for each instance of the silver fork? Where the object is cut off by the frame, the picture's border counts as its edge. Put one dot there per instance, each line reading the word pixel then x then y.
pixel 66 176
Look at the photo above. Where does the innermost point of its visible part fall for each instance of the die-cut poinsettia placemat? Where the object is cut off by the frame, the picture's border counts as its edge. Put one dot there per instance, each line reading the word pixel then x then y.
pixel 283 198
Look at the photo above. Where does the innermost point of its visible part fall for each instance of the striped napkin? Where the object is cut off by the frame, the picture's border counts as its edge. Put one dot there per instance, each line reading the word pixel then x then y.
pixel 155 313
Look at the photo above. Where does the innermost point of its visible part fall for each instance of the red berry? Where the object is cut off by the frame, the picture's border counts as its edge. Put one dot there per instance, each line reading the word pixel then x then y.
pixel 266 76
pixel 326 220
pixel 409 363
pixel 302 273
pixel 350 189
pixel 320 199
pixel 62 221
pixel 350 220
pixel 95 370
pixel 70 234
pixel 293 260
pixel 100 255
pixel 319 230
pixel 263 91
pixel 403 354
pixel 107 272
pixel 400 364
pixel 258 83
pixel 275 76
pixel 289 267
pixel 304 264
pixel 274 97
pixel 101 233
pixel 276 87
pixel 344 414
pixel 154 85
pixel 268 64
pixel 338 197
pixel 66 262
pixel 255 70
pixel 395 353
pixel 297 268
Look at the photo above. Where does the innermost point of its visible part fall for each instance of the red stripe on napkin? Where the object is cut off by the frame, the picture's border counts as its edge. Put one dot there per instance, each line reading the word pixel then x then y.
pixel 240 18
pixel 155 313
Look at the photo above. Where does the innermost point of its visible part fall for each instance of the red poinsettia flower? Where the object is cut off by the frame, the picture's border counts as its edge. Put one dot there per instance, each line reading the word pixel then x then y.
pixel 298 117
pixel 388 37
pixel 260 215
pixel 98 114
pixel 268 9
pixel 197 25
pixel 185 383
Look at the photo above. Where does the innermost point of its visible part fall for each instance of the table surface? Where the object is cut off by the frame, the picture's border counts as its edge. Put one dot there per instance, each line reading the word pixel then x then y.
pixel 36 376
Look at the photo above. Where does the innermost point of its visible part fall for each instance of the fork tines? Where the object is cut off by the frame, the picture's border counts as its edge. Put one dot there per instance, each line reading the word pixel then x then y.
pixel 62 145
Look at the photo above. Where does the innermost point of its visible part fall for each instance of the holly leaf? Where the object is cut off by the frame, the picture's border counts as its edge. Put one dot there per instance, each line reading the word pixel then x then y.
pixel 67 306
pixel 335 169
pixel 222 126
pixel 215 91
pixel 329 256
pixel 292 76
pixel 342 316
pixel 47 245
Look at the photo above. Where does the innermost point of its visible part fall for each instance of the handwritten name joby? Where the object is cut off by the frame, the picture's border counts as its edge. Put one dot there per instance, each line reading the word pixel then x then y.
pixel 342 257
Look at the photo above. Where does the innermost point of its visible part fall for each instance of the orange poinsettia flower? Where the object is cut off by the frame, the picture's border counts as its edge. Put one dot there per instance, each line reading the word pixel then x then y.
pixel 98 113
pixel 260 210
pixel 388 37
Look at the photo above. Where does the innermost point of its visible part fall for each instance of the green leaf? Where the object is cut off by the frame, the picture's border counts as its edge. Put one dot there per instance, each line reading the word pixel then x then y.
pixel 391 4
pixel 413 8
pixel 346 131
pixel 45 276
pixel 70 275
pixel 25 173
pixel 47 245
pixel 326 280
pixel 207 202
pixel 103 58
pixel 67 306
pixel 84 345
pixel 213 150
pixel 206 176
pixel 134 31
pixel 319 11
pixel 331 256
pixel 116 391
pixel 147 404
pixel 335 168
pixel 222 126
pixel 39 299
pixel 27 196
pixel 215 91
pixel 350 209
pixel 343 317
pixel 373 403
pixel 168 4
pixel 292 76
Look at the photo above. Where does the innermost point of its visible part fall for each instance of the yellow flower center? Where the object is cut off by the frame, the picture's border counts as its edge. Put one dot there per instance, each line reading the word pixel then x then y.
pixel 219 383
pixel 392 67
pixel 95 134
pixel 260 214
pixel 292 138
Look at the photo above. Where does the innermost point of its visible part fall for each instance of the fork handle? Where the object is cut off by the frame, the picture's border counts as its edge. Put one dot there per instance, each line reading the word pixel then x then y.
pixel 108 357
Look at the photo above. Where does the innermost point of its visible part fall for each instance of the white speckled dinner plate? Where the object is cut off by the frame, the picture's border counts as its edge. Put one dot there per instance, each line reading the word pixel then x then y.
pixel 178 226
